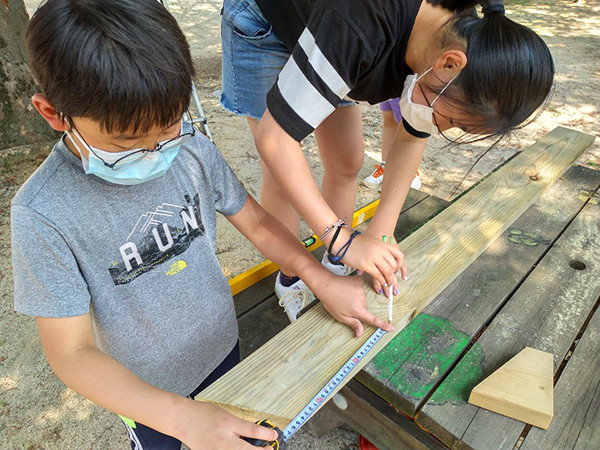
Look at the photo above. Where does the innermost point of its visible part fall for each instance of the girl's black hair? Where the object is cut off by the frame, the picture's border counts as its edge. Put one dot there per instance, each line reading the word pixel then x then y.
pixel 509 73
pixel 123 63
pixel 458 5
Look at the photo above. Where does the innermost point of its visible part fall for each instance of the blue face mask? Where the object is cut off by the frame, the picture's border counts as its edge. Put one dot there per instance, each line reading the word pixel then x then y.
pixel 131 167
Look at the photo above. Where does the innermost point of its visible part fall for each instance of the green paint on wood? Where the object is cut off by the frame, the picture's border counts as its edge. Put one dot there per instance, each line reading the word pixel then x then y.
pixel 426 348
pixel 588 196
pixel 517 236
pixel 461 381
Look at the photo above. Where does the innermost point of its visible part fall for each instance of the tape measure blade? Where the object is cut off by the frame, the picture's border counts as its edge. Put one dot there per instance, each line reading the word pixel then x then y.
pixel 319 399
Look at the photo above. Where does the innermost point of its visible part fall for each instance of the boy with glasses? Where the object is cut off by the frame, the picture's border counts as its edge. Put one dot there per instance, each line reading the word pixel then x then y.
pixel 114 235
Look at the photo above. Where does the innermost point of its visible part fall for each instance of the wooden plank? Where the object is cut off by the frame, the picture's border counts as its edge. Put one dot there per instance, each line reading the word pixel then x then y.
pixel 254 295
pixel 546 313
pixel 577 395
pixel 262 288
pixel 522 388
pixel 414 218
pixel 259 324
pixel 407 371
pixel 372 417
pixel 279 379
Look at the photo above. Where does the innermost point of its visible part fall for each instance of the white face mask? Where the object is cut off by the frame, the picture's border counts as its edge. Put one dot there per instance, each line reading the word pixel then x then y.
pixel 418 116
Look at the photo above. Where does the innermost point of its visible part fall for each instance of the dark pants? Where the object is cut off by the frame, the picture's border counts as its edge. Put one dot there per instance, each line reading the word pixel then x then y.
pixel 143 437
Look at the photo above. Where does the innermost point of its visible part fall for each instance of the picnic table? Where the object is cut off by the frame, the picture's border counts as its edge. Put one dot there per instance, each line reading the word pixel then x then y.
pixel 537 285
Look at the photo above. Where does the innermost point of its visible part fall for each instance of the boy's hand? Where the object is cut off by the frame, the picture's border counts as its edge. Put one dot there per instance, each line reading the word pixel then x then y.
pixel 379 259
pixel 207 426
pixel 344 298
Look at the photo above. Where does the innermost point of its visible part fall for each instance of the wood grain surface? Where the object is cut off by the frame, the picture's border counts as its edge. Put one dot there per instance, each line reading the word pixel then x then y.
pixel 547 312
pixel 407 372
pixel 522 388
pixel 279 379
pixel 577 399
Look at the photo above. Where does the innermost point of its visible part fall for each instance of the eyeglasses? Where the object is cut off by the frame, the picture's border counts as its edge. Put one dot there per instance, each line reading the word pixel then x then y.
pixel 135 155
pixel 435 122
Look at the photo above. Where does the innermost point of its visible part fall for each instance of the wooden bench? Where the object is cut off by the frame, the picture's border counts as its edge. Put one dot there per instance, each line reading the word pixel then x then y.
pixel 538 285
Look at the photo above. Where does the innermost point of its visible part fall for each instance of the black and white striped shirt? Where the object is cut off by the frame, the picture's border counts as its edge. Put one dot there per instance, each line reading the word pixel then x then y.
pixel 341 49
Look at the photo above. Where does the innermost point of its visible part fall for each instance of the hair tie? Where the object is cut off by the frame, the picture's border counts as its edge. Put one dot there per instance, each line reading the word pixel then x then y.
pixel 493 8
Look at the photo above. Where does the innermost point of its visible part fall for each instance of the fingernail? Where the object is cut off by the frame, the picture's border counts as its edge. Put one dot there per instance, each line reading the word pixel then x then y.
pixel 405 278
pixel 385 284
pixel 380 291
pixel 396 291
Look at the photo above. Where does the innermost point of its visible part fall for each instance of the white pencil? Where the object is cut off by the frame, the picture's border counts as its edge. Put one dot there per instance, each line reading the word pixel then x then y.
pixel 390 294
pixel 390 303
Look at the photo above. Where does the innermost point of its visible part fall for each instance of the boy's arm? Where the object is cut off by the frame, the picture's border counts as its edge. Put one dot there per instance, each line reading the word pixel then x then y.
pixel 71 351
pixel 343 297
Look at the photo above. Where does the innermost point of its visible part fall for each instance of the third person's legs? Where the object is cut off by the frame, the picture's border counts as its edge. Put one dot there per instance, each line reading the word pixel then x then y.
pixel 273 200
pixel 340 142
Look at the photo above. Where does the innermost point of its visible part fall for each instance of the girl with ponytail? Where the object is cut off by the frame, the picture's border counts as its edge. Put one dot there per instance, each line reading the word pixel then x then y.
pixel 297 66
pixel 509 73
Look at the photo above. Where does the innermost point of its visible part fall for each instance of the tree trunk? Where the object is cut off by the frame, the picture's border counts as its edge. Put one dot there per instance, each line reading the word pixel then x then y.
pixel 20 124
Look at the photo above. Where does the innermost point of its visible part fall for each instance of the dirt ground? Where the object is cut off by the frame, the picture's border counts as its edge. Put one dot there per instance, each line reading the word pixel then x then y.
pixel 38 411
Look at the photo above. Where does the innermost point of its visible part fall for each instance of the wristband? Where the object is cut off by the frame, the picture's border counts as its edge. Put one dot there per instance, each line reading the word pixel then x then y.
pixel 342 252
pixel 333 239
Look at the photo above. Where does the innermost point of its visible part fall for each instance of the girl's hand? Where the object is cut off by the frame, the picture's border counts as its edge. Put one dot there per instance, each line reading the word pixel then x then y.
pixel 344 298
pixel 384 290
pixel 379 259
pixel 207 426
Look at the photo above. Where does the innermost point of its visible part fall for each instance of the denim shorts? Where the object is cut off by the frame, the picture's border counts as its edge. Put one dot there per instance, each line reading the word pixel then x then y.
pixel 253 56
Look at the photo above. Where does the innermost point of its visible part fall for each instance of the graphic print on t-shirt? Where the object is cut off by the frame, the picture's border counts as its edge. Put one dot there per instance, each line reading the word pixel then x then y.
pixel 158 236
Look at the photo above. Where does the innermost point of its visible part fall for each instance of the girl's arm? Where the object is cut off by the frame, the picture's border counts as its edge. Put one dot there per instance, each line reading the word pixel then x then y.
pixel 343 297
pixel 403 160
pixel 402 163
pixel 284 157
pixel 72 352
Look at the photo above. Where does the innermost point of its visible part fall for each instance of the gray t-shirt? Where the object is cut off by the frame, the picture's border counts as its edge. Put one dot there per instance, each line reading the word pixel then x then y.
pixel 141 259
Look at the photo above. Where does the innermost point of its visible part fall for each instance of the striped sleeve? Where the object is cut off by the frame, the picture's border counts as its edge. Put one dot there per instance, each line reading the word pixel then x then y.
pixel 319 74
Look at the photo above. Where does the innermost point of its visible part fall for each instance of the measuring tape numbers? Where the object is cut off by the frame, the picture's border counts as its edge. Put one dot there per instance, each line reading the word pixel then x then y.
pixel 318 399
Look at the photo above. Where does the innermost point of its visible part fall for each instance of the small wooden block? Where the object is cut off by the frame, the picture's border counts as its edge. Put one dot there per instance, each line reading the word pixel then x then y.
pixel 522 389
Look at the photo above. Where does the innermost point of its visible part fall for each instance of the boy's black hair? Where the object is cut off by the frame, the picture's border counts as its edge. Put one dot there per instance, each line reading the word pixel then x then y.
pixel 122 63
pixel 509 73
